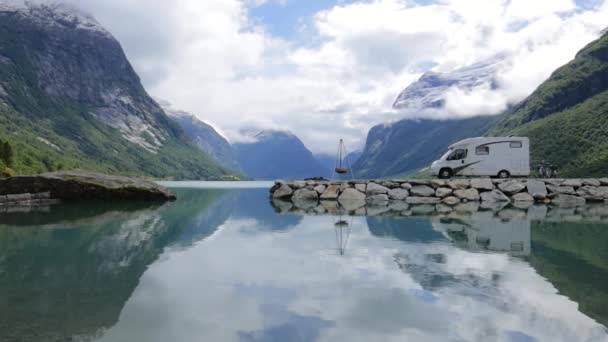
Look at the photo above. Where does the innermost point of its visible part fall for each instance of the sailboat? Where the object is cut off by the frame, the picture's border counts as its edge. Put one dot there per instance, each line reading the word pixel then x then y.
pixel 342 163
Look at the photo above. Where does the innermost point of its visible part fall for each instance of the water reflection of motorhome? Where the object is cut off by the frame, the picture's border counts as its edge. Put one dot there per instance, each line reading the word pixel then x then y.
pixel 487 230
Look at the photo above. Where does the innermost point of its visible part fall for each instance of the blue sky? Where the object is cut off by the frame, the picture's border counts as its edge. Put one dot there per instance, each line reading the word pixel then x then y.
pixel 285 19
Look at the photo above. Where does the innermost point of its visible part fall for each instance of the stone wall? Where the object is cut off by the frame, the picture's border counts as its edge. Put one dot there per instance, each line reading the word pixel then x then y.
pixel 486 191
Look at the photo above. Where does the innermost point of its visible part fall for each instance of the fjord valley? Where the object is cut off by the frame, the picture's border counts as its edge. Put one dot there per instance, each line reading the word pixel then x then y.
pixel 303 171
pixel 70 99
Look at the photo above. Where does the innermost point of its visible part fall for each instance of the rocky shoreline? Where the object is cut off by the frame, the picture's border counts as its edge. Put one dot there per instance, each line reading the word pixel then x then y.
pixel 485 191
pixel 71 186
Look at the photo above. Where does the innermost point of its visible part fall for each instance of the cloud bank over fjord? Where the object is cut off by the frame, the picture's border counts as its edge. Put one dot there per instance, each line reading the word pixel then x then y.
pixel 351 60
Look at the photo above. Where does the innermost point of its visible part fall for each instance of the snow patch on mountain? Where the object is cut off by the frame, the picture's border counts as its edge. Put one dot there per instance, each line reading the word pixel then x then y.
pixel 173 112
pixel 430 94
pixel 253 135
pixel 54 14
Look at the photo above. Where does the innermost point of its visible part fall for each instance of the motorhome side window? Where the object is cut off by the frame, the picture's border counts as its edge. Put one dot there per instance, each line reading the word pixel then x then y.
pixel 515 144
pixel 482 150
pixel 458 155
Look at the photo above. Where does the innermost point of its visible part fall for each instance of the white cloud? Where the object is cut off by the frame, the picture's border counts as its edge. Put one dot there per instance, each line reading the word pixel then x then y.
pixel 211 58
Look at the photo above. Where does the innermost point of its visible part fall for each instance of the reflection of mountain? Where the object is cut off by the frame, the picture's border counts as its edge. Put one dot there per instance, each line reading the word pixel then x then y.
pixel 487 231
pixel 199 213
pixel 254 204
pixel 574 258
pixel 409 229
pixel 57 284
pixel 71 283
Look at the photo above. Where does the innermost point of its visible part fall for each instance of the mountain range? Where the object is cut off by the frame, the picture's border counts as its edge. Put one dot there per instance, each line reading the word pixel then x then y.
pixel 271 154
pixel 70 99
pixel 566 119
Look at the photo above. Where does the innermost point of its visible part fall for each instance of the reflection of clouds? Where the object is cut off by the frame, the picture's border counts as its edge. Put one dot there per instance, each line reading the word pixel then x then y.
pixel 248 283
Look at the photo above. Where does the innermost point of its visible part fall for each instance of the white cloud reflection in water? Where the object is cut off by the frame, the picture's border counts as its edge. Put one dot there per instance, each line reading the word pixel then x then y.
pixel 250 283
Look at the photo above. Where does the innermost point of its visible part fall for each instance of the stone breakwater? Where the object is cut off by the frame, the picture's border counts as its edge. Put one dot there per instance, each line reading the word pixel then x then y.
pixel 488 192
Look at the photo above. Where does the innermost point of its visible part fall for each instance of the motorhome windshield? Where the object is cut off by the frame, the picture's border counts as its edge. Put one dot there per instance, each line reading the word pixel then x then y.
pixel 445 156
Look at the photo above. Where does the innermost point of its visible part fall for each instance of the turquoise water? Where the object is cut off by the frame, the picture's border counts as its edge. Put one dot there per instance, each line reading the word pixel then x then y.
pixel 221 265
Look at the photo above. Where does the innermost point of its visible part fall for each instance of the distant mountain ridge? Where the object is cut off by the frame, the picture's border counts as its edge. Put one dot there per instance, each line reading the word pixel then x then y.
pixel 204 136
pixel 272 154
pixel 69 98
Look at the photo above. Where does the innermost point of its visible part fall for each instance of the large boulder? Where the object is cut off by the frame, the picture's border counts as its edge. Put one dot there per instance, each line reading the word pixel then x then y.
pixel 376 189
pixel 361 187
pixel 299 184
pixel 305 194
pixel 351 195
pixel 331 193
pixel 482 184
pixel 443 192
pixel 572 182
pixel 282 191
pixel 511 187
pixel 494 196
pixel 467 194
pixel 568 190
pixel 320 188
pixel 537 189
pixel 422 191
pixel 398 194
pixel 82 186
pixel 459 184
pixel 406 186
pixel 593 193
pixel 591 182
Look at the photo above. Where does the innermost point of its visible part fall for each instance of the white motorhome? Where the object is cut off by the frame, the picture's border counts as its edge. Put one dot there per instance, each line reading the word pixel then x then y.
pixel 501 157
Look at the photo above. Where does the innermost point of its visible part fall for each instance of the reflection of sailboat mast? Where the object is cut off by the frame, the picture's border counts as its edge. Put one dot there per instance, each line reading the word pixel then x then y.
pixel 342 234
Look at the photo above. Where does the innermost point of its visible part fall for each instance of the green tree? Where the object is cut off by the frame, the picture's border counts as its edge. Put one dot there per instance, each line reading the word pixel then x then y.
pixel 7 153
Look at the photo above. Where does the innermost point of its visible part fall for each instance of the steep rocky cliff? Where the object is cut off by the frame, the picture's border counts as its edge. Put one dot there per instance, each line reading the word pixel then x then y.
pixel 69 98
pixel 204 136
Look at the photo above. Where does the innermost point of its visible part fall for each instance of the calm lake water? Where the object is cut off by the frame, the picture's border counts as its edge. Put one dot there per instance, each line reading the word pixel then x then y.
pixel 221 265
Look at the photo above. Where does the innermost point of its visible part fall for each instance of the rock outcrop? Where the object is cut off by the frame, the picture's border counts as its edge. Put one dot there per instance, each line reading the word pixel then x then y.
pixel 83 186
